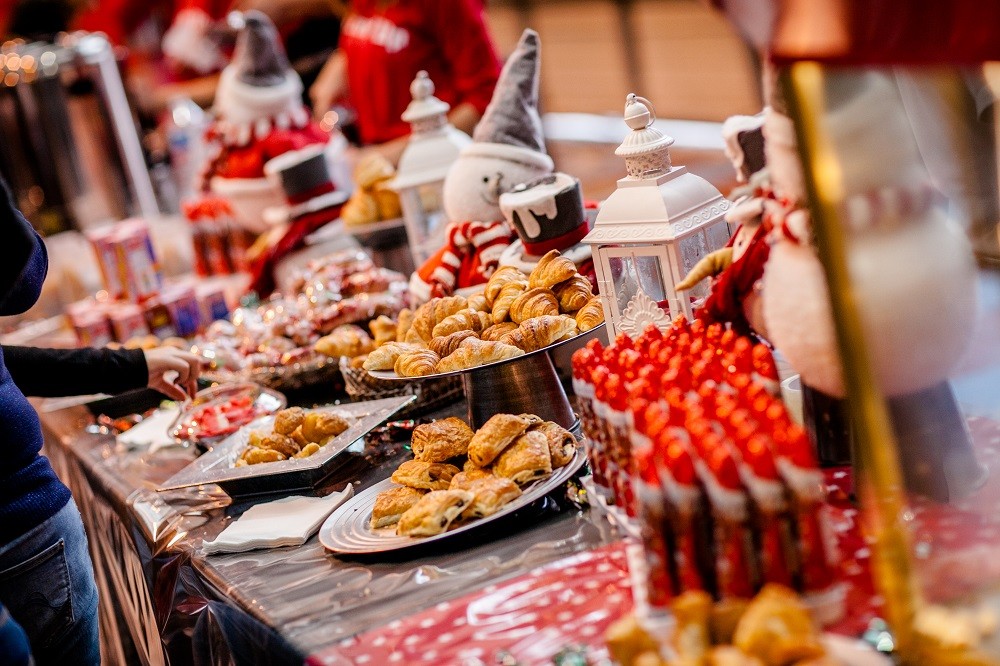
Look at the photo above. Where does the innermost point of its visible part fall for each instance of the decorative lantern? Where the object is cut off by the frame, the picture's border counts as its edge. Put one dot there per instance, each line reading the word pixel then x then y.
pixel 652 230
pixel 434 144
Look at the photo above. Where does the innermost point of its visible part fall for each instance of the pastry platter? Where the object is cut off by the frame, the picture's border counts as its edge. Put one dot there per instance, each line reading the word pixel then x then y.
pixel 218 466
pixel 348 530
pixel 501 386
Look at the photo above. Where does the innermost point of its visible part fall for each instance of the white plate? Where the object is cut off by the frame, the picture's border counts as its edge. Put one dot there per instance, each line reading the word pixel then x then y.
pixel 349 529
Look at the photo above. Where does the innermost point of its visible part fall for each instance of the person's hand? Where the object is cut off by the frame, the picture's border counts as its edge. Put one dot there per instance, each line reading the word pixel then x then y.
pixel 173 372
pixel 330 85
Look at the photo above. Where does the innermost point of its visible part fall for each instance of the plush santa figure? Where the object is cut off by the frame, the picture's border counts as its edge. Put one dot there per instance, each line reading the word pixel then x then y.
pixel 507 149
pixel 259 115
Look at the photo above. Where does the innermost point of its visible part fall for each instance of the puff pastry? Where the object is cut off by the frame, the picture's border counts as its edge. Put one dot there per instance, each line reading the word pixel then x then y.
pixel 255 456
pixel 425 475
pixel 392 503
pixel 502 276
pixel 385 357
pixel 308 450
pixel 383 330
pixel 533 303
pixel 445 345
pixel 464 320
pixel 319 427
pixel 441 440
pixel 497 331
pixel 465 479
pixel 525 460
pixel 551 269
pixel 404 323
pixel 574 293
pixel 562 443
pixel 497 434
pixel 590 315
pixel 287 420
pixel 505 298
pixel 347 340
pixel 283 444
pixel 477 303
pixel 434 512
pixel 490 493
pixel 538 332
pixel 474 352
pixel 417 363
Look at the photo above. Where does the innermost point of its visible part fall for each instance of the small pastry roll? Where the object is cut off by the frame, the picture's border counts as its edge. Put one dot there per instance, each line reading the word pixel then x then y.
pixel 562 443
pixel 574 293
pixel 590 315
pixel 385 357
pixel 465 479
pixel 433 513
pixel 383 330
pixel 280 443
pixel 533 303
pixel 497 434
pixel 255 456
pixel 308 450
pixel 497 331
pixel 441 440
pixel 477 303
pixel 464 320
pixel 474 352
pixel 298 437
pixel 446 345
pixel 392 503
pixel 505 299
pixel 403 324
pixel 501 277
pixel 347 340
pixel 424 475
pixel 319 427
pixel 417 363
pixel 490 493
pixel 287 420
pixel 540 332
pixel 550 270
pixel 525 460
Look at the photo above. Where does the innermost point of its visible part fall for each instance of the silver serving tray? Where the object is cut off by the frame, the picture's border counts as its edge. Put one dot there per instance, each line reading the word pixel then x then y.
pixel 349 530
pixel 391 374
pixel 218 466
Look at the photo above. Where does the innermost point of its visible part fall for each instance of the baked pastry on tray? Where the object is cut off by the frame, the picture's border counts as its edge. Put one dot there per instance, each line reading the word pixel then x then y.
pixel 392 503
pixel 497 433
pixel 525 460
pixel 425 475
pixel 434 513
pixel 490 494
pixel 562 443
pixel 468 477
pixel 440 440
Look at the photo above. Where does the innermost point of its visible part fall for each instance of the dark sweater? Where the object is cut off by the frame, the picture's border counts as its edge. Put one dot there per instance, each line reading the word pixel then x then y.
pixel 30 493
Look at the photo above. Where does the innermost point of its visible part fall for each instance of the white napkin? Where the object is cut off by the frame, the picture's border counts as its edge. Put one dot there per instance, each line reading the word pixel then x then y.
pixel 285 522
pixel 153 431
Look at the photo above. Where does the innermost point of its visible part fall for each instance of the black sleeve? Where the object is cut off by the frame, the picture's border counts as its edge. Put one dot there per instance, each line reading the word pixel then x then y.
pixel 47 373
pixel 17 241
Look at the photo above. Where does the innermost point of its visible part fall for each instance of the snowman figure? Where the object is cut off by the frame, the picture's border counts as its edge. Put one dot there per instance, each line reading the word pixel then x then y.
pixel 507 149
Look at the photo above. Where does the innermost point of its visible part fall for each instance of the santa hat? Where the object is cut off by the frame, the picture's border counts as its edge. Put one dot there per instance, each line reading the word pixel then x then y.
pixel 259 82
pixel 511 128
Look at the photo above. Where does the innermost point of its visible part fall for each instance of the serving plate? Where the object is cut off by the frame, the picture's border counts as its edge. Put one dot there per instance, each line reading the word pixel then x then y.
pixel 348 529
pixel 186 428
pixel 218 465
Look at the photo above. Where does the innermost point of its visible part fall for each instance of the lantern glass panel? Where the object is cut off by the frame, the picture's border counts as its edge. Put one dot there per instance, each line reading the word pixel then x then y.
pixel 691 251
pixel 632 272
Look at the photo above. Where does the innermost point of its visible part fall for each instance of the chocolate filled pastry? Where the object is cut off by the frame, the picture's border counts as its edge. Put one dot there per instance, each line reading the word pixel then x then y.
pixel 393 503
pixel 319 427
pixel 525 460
pixel 465 479
pixel 550 270
pixel 445 346
pixel 497 331
pixel 425 475
pixel 417 363
pixel 287 420
pixel 490 493
pixel 283 444
pixel 441 440
pixel 434 512
pixel 385 357
pixel 497 434
pixel 562 443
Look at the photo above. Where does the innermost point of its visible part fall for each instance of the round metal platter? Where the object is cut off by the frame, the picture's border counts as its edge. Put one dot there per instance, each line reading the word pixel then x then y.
pixel 349 530
pixel 392 376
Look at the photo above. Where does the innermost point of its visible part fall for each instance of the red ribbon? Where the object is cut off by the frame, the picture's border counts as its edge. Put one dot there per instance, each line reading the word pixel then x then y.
pixel 558 243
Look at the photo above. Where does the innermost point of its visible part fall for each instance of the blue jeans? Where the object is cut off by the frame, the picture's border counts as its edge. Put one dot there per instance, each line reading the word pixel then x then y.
pixel 47 584
pixel 14 648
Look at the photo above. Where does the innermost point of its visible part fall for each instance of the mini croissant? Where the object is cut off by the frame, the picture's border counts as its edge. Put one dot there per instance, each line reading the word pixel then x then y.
pixel 505 298
pixel 447 344
pixel 574 293
pixel 385 357
pixel 383 330
pixel 497 331
pixel 477 303
pixel 430 314
pixel 503 276
pixel 590 315
pixel 474 352
pixel 533 303
pixel 404 323
pixel 464 320
pixel 538 332
pixel 551 269
pixel 417 364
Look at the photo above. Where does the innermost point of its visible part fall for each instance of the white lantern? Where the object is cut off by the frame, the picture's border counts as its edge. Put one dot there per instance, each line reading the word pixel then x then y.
pixel 652 230
pixel 434 144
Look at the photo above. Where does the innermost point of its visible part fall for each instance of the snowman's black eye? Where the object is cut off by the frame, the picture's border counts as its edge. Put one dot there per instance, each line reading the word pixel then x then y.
pixel 486 179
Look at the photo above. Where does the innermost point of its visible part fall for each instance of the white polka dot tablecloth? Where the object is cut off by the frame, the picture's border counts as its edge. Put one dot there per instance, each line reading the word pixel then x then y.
pixel 570 602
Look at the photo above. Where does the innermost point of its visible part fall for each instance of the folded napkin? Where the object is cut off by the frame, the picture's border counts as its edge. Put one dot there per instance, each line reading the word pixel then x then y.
pixel 153 431
pixel 285 522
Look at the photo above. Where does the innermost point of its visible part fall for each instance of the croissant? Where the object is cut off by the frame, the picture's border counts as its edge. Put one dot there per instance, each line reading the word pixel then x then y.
pixel 474 352
pixel 447 344
pixel 497 331
pixel 464 320
pixel 422 328
pixel 417 364
pixel 590 315
pixel 574 293
pixel 506 297
pixel 538 332
pixel 385 357
pixel 383 330
pixel 533 303
pixel 477 303
pixel 710 265
pixel 404 323
pixel 503 276
pixel 551 269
